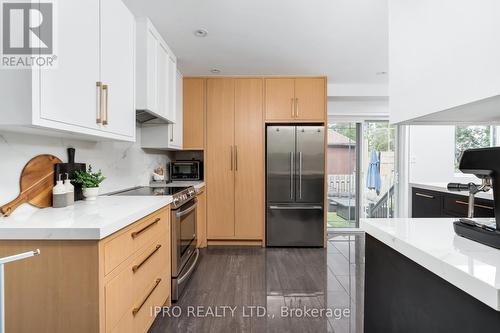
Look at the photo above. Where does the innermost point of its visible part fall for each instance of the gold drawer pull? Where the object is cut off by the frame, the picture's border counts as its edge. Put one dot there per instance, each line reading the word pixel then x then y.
pixel 138 232
pixel 424 195
pixel 105 88
pixel 475 205
pixel 137 309
pixel 99 101
pixel 136 267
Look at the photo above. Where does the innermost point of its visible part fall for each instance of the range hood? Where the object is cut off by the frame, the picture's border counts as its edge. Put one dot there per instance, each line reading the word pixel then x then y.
pixel 146 116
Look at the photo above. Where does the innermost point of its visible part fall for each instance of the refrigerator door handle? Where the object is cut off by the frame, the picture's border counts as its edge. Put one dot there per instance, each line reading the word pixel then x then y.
pixel 300 175
pixel 295 207
pixel 291 174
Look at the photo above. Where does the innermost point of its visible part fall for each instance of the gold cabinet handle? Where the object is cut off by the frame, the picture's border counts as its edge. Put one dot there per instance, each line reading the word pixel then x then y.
pixel 138 232
pixel 138 308
pixel 236 158
pixel 297 107
pixel 99 101
pixel 231 158
pixel 105 87
pixel 424 195
pixel 292 106
pixel 476 205
pixel 172 134
pixel 135 268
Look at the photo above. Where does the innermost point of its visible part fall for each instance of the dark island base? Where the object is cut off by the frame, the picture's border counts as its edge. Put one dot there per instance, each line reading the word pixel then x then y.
pixel 402 296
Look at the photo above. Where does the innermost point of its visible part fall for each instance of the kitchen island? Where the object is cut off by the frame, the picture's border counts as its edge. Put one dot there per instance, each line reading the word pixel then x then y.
pixel 421 277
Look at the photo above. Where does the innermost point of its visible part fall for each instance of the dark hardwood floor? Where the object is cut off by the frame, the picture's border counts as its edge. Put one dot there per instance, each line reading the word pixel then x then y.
pixel 277 284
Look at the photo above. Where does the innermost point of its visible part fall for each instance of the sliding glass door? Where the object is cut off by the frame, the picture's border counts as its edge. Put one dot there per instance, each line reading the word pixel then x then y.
pixel 361 161
pixel 342 167
pixel 379 161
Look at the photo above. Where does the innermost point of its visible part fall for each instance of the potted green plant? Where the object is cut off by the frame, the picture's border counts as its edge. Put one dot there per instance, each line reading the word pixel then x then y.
pixel 90 182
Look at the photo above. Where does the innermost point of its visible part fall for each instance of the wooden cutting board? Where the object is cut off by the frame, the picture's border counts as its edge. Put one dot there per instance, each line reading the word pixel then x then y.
pixel 37 181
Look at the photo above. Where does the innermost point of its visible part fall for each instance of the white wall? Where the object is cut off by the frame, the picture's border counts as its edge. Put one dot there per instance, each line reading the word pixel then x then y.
pixel 432 153
pixel 124 164
pixel 442 54
pixel 358 108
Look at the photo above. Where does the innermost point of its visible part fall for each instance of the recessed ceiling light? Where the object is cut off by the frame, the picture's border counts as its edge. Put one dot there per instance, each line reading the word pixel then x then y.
pixel 201 33
pixel 215 71
pixel 381 73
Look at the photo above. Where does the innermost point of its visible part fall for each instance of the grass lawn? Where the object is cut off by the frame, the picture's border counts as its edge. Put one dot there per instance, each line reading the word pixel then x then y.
pixel 335 221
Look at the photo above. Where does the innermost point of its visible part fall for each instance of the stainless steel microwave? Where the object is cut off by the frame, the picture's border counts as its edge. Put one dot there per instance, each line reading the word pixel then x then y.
pixel 186 170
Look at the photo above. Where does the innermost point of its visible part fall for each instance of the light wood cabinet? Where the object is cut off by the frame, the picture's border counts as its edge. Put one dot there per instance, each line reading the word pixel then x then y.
pixel 220 157
pixel 295 99
pixel 194 113
pixel 201 219
pixel 280 99
pixel 249 159
pixel 92 286
pixel 234 159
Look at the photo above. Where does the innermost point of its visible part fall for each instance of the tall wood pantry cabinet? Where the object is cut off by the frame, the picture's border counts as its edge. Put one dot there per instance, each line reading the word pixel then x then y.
pixel 234 158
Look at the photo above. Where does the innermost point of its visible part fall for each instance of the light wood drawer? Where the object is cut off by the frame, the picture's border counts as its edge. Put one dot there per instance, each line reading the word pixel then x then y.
pixel 139 317
pixel 135 278
pixel 122 245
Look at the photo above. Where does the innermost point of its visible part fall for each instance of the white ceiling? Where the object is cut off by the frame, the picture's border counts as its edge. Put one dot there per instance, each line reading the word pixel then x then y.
pixel 345 39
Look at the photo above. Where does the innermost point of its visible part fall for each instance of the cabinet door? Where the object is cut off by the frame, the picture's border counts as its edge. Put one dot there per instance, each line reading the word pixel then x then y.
pixel 117 67
pixel 310 99
pixel 177 127
pixel 279 99
pixel 171 89
pixel 152 45
pixel 162 81
pixel 194 113
pixel 68 94
pixel 426 203
pixel 220 162
pixel 249 158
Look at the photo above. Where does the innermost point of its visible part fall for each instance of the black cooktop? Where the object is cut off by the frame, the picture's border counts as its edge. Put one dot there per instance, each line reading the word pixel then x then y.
pixel 146 190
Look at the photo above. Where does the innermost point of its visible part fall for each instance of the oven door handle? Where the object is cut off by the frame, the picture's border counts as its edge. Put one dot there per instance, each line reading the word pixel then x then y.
pixel 187 211
pixel 188 272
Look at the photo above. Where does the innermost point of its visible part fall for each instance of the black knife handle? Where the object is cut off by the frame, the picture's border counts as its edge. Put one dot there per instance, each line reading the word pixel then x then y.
pixel 71 155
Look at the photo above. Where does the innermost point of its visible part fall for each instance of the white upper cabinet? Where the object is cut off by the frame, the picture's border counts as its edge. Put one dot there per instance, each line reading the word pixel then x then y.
pixel 166 136
pixel 118 67
pixel 95 49
pixel 444 61
pixel 156 71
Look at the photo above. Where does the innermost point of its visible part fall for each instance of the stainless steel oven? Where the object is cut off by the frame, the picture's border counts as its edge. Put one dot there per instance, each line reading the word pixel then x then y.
pixel 184 252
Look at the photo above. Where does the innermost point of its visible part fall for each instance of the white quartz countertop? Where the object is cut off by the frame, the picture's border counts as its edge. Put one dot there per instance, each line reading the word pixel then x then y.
pixel 433 244
pixel 443 187
pixel 85 220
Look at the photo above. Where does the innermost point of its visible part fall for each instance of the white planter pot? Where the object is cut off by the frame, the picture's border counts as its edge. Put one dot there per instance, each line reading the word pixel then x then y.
pixel 90 193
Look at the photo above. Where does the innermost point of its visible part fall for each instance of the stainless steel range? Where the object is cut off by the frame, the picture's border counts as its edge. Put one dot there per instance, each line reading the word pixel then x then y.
pixel 182 231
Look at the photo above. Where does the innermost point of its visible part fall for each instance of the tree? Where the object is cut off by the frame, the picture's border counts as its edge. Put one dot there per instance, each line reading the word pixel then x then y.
pixel 469 137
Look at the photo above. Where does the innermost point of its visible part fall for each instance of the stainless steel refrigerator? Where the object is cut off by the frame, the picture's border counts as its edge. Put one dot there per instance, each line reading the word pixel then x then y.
pixel 295 159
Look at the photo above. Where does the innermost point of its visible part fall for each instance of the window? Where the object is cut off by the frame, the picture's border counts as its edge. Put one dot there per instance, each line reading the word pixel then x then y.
pixel 468 137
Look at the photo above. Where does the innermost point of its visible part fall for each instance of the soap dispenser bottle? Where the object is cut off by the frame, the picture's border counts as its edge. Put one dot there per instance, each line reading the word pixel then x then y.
pixel 59 198
pixel 70 191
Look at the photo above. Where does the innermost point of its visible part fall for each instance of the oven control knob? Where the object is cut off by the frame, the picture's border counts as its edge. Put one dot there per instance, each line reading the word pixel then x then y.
pixel 176 201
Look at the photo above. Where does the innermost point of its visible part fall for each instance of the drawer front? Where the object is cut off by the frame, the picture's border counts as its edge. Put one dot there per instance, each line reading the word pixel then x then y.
pixel 458 206
pixel 426 203
pixel 127 242
pixel 139 317
pixel 132 282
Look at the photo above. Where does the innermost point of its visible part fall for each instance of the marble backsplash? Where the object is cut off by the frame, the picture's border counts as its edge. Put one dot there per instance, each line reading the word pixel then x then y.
pixel 124 164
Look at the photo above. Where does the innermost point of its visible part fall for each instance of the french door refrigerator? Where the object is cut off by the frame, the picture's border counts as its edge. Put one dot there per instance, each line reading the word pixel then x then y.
pixel 295 171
